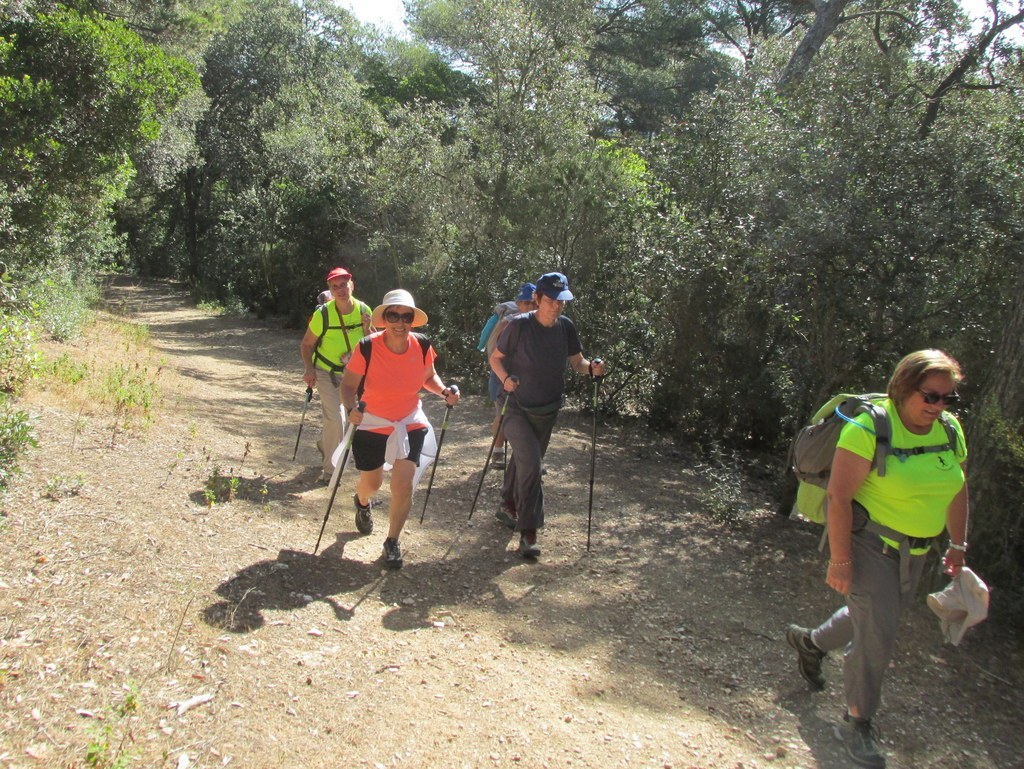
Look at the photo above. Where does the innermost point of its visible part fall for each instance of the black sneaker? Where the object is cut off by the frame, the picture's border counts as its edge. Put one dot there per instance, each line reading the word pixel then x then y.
pixel 506 514
pixel 527 548
pixel 364 522
pixel 809 656
pixel 392 554
pixel 858 736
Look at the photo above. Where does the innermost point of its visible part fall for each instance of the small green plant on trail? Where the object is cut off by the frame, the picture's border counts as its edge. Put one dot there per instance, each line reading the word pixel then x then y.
pixel 132 391
pixel 221 488
pixel 101 752
pixel 65 369
pixel 63 486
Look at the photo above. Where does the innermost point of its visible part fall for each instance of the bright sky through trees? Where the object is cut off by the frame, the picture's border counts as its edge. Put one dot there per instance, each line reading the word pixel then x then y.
pixel 387 14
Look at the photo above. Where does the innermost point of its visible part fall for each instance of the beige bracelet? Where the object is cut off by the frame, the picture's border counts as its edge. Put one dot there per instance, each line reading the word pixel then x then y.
pixel 839 563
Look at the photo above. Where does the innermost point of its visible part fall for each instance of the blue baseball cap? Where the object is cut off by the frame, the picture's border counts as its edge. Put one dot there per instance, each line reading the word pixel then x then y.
pixel 554 285
pixel 526 292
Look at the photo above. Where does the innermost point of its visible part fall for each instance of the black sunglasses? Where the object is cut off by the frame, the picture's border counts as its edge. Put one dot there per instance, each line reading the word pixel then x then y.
pixel 395 317
pixel 948 399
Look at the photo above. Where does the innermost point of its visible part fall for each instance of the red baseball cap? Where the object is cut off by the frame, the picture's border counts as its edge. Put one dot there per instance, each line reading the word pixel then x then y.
pixel 338 272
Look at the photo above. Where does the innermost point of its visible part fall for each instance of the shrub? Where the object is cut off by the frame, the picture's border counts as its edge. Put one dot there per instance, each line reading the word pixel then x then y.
pixel 15 438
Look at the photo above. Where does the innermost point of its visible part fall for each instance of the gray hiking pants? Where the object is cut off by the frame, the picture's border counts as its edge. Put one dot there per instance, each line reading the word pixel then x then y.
pixel 867 626
pixel 529 435
pixel 335 420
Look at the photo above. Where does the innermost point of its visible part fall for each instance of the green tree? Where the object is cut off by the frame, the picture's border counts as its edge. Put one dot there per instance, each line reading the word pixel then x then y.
pixel 78 94
pixel 271 189
pixel 650 58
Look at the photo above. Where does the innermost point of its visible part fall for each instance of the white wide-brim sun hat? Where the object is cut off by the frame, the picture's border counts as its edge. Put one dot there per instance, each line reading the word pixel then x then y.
pixel 398 298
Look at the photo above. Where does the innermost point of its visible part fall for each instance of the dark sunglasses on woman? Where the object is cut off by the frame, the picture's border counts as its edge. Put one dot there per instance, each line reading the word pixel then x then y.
pixel 948 399
pixel 404 317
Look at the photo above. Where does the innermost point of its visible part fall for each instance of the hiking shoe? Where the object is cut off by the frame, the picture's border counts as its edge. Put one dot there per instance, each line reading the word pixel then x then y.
pixel 506 513
pixel 364 523
pixel 809 656
pixel 528 548
pixel 392 554
pixel 858 736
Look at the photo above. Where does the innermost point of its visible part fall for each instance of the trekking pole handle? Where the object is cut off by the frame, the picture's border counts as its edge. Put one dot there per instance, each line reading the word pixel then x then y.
pixel 598 362
pixel 452 389
pixel 309 394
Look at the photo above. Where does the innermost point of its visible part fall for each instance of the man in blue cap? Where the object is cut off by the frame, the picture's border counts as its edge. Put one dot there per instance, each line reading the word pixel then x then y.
pixel 529 360
pixel 525 302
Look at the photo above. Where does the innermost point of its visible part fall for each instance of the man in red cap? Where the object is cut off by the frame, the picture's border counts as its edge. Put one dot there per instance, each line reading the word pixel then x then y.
pixel 333 332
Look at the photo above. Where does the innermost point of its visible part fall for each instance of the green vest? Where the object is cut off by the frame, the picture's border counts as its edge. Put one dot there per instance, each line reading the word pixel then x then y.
pixel 337 336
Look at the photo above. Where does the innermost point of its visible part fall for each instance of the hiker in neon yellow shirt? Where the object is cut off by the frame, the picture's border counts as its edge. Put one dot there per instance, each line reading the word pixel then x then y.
pixel 880 528
pixel 334 331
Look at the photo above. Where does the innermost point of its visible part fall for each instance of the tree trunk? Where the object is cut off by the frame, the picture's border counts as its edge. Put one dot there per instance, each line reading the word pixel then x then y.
pixel 1001 400
pixel 827 16
pixel 967 64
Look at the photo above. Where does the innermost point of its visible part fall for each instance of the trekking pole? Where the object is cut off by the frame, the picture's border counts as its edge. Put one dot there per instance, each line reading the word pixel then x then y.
pixel 339 468
pixel 490 451
pixel 437 456
pixel 593 452
pixel 302 420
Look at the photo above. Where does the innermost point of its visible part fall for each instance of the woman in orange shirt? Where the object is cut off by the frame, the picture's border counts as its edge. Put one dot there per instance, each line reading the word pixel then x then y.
pixel 392 428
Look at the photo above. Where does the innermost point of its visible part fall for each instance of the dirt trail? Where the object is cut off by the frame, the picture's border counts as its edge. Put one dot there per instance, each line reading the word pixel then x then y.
pixel 164 633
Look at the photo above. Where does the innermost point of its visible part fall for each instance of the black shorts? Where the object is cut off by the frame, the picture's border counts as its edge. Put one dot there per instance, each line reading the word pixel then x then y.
pixel 368 448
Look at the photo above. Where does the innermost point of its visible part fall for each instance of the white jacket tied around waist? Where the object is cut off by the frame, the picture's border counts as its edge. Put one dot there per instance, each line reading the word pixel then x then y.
pixel 398 442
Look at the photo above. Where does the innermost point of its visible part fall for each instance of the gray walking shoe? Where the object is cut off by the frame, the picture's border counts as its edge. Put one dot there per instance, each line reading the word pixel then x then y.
pixel 528 548
pixel 506 513
pixel 364 522
pixel 809 656
pixel 392 554
pixel 858 736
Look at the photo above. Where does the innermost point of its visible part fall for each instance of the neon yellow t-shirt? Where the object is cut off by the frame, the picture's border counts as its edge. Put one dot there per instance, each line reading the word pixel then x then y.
pixel 914 494
pixel 337 345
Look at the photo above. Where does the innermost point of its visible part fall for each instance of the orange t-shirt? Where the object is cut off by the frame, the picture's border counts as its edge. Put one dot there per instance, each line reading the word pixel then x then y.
pixel 392 388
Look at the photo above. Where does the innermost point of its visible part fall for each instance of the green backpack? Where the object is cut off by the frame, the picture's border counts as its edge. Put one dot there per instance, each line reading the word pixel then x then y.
pixel 815 445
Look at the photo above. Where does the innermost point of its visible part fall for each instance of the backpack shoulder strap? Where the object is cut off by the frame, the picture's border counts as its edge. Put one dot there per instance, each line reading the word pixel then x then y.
pixel 326 322
pixel 951 433
pixel 883 434
pixel 366 350
pixel 424 345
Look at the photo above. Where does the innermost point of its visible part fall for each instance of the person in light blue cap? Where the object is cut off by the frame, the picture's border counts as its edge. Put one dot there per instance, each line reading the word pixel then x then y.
pixel 529 359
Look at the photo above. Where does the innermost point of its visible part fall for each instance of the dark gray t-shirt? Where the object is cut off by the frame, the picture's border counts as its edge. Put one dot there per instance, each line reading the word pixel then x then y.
pixel 537 355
